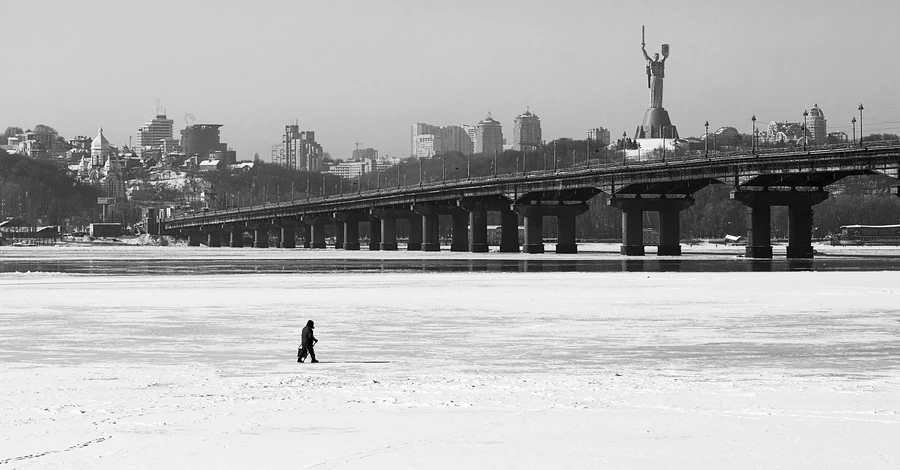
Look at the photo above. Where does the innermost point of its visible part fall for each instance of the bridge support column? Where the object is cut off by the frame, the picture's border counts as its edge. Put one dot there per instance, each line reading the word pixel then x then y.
pixel 351 235
pixel 350 221
pixel 315 232
pixel 193 238
pixel 260 234
pixel 374 234
pixel 288 237
pixel 415 232
pixel 534 227
pixel 389 233
pixel 565 226
pixel 213 239
pixel 509 231
pixel 800 220
pixel 385 222
pixel 460 231
pixel 306 231
pixel 431 221
pixel 224 238
pixel 632 225
pixel 338 235
pixel 478 236
pixel 670 224
pixel 759 223
pixel 235 235
pixel 800 214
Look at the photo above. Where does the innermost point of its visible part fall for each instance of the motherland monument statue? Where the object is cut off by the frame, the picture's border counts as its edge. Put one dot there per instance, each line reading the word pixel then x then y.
pixel 657 124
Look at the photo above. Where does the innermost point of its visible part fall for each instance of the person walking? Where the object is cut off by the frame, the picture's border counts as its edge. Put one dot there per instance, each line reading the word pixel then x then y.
pixel 307 341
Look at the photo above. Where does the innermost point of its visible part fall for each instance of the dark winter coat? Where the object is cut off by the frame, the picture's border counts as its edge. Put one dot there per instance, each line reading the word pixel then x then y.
pixel 306 336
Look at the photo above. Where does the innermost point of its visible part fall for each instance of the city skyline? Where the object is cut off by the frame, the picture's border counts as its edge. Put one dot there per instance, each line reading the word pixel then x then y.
pixel 584 68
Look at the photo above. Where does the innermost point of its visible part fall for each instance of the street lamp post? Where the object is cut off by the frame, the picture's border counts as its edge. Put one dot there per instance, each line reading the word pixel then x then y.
pixel 860 124
pixel 706 143
pixel 752 133
pixel 805 114
pixel 853 121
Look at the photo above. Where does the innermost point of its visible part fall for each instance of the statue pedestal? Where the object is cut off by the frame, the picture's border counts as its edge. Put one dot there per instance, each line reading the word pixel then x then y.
pixel 656 125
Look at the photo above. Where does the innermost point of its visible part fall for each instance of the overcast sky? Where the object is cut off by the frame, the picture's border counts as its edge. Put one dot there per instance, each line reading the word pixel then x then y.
pixel 365 70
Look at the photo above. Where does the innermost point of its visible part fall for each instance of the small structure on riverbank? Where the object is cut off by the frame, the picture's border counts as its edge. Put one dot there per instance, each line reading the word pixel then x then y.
pixel 14 232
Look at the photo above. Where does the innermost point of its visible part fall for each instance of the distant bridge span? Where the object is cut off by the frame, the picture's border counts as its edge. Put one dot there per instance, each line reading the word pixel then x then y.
pixel 795 179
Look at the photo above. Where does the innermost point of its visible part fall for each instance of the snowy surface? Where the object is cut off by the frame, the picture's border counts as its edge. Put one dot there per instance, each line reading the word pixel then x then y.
pixel 448 370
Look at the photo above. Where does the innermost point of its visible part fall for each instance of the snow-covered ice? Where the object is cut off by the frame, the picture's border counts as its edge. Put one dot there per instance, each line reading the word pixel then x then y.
pixel 450 370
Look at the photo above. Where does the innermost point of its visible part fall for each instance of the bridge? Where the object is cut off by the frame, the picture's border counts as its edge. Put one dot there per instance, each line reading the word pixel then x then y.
pixel 796 179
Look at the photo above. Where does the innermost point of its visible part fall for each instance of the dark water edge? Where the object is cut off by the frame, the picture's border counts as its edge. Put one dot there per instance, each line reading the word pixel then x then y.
pixel 150 267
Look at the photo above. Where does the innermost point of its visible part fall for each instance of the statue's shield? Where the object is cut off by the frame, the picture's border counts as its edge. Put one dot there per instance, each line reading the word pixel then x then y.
pixel 665 50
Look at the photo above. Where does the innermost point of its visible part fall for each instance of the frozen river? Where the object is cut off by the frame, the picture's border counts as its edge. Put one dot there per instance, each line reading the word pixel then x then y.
pixel 447 360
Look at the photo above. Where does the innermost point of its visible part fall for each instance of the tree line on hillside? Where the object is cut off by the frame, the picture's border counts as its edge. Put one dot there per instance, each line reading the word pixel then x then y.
pixel 40 193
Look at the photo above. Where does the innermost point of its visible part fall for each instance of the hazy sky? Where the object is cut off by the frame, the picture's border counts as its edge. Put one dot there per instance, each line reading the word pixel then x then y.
pixel 365 71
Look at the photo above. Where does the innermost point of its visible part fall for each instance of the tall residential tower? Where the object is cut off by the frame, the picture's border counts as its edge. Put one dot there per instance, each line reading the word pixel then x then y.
pixel 489 136
pixel 526 131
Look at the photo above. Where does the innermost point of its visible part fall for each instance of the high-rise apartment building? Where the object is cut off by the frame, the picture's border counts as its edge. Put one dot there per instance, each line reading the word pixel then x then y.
pixel 153 135
pixel 428 140
pixel 365 154
pixel 489 136
pixel 200 140
pixel 597 136
pixel 298 150
pixel 816 124
pixel 526 131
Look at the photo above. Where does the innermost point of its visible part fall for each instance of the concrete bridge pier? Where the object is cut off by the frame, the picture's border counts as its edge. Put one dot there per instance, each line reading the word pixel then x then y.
pixel 350 222
pixel 460 230
pixel 509 231
pixel 415 232
pixel 431 221
pixel 287 237
pixel 235 234
pixel 565 224
pixel 385 223
pixel 632 225
pixel 800 215
pixel 213 239
pixel 193 237
pixel 633 220
pixel 759 223
pixel 351 235
pixel 339 235
pixel 478 235
pixel 670 224
pixel 224 238
pixel 260 234
pixel 534 227
pixel 306 231
pixel 374 233
pixel 315 231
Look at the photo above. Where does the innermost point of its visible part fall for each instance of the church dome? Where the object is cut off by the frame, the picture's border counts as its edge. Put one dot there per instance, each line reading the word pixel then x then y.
pixel 816 111
pixel 100 142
